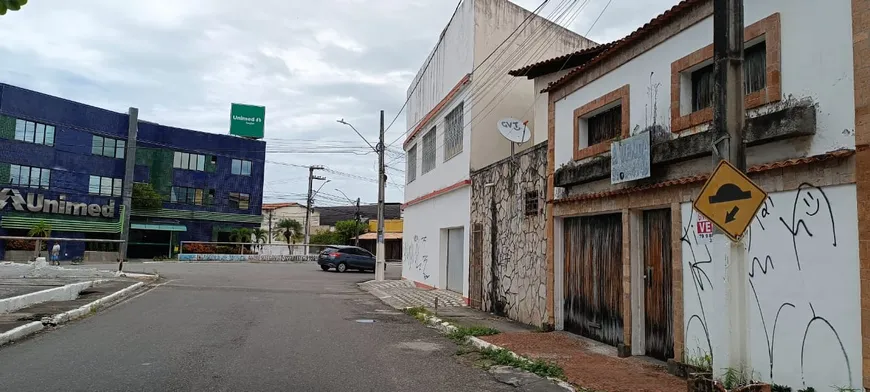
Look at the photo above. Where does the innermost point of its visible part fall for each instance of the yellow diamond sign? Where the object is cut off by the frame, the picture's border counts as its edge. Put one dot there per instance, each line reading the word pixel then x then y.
pixel 730 200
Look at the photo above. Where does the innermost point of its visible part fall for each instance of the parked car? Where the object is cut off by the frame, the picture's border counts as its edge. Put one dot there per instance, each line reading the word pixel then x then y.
pixel 345 257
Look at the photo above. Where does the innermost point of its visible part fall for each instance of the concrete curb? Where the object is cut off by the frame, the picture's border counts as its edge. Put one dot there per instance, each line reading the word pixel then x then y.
pixel 20 332
pixel 479 343
pixel 93 306
pixel 64 293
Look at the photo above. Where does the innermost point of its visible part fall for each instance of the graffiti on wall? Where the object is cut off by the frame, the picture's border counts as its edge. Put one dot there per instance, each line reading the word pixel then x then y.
pixel 194 257
pixel 416 257
pixel 513 224
pixel 803 288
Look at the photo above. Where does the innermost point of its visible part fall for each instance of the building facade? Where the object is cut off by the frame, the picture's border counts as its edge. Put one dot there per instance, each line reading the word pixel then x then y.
pixel 276 212
pixel 66 162
pixel 455 102
pixel 635 266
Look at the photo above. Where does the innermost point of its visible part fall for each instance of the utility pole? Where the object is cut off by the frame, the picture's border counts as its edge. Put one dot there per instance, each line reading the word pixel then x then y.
pixel 270 226
pixel 127 189
pixel 728 121
pixel 311 178
pixel 382 182
pixel 356 228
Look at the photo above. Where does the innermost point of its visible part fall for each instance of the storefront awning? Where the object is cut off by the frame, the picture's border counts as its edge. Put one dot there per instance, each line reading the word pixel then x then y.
pixel 387 236
pixel 144 226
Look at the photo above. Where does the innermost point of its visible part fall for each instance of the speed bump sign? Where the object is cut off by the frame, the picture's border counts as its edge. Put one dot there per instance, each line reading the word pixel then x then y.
pixel 730 200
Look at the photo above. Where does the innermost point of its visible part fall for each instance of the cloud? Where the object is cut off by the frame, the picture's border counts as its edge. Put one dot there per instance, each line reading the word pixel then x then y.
pixel 309 63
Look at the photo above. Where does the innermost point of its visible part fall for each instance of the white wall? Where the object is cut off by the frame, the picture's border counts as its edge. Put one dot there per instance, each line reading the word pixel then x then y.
pixel 424 259
pixel 539 116
pixel 292 212
pixel 452 61
pixel 445 173
pixel 816 63
pixel 498 95
pixel 805 314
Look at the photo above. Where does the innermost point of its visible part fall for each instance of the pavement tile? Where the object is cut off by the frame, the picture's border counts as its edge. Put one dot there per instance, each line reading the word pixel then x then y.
pixel 403 293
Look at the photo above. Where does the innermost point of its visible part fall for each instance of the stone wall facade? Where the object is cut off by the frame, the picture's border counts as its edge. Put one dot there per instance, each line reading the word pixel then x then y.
pixel 508 200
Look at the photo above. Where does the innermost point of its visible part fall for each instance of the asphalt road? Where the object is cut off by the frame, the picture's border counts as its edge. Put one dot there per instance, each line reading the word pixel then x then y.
pixel 243 327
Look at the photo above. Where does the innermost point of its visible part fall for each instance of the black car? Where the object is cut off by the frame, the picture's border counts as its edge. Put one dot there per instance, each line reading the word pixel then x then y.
pixel 343 258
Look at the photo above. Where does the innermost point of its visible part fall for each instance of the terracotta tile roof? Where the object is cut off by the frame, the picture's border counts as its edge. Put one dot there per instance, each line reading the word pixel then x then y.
pixel 616 46
pixel 556 64
pixel 703 177
pixel 275 206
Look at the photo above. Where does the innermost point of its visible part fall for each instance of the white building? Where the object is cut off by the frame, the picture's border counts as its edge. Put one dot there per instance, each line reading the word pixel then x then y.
pixel 455 101
pixel 659 270
pixel 275 212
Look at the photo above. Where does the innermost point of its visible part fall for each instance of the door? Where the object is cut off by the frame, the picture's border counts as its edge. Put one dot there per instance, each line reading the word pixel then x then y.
pixel 367 260
pixel 593 277
pixel 658 304
pixel 455 270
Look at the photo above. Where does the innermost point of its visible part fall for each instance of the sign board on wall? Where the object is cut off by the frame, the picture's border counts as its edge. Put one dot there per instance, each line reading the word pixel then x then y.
pixel 37 202
pixel 247 120
pixel 630 159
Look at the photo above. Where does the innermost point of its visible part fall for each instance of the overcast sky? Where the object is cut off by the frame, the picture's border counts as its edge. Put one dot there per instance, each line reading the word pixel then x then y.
pixel 309 63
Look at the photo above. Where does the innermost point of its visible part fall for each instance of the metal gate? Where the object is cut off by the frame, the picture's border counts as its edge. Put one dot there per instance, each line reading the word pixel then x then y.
pixel 659 320
pixel 455 248
pixel 593 277
pixel 475 268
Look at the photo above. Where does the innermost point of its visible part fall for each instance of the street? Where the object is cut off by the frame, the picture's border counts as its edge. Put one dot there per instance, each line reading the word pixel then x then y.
pixel 243 327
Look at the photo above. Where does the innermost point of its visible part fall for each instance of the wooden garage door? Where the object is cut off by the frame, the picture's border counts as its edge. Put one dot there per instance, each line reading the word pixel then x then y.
pixel 658 301
pixel 593 277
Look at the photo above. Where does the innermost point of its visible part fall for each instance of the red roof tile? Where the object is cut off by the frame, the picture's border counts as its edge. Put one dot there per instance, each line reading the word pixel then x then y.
pixel 556 64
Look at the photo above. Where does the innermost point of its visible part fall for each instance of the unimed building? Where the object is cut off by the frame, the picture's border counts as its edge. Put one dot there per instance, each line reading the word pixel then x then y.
pixel 63 163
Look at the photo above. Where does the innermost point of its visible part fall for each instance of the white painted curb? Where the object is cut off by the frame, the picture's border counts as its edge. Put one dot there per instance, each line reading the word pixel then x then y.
pixel 63 293
pixel 20 332
pixel 93 306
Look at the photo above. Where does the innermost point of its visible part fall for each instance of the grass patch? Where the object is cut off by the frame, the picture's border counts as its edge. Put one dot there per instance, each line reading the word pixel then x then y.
pixel 460 334
pixel 537 366
pixel 418 312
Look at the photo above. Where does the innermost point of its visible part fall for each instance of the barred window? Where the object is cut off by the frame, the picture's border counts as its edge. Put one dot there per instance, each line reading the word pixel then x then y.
pixel 531 203
pixel 604 126
pixel 453 133
pixel 412 164
pixel 429 151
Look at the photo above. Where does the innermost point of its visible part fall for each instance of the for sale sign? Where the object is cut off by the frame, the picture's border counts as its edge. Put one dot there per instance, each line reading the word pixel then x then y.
pixel 704 228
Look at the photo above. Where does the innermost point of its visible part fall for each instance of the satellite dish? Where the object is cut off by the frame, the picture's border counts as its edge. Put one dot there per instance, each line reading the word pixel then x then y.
pixel 514 130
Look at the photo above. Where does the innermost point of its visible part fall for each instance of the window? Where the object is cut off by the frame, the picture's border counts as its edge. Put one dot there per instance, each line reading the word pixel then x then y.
pixel 453 133
pixel 531 203
pixel 108 147
pixel 192 196
pixel 754 77
pixel 604 126
pixel 241 167
pixel 240 200
pixel 429 151
pixel 32 132
pixel 31 177
pixel 105 186
pixel 183 160
pixel 412 164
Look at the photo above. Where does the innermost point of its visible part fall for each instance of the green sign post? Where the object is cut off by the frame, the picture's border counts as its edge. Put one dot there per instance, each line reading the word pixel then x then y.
pixel 247 120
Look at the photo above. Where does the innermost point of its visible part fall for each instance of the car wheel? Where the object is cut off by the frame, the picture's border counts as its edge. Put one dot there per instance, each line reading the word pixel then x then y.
pixel 324 267
pixel 342 267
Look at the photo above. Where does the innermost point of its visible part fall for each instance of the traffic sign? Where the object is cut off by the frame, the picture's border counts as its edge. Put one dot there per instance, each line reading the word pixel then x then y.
pixel 730 200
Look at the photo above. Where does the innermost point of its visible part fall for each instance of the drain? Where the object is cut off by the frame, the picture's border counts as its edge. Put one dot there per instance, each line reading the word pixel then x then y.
pixel 365 321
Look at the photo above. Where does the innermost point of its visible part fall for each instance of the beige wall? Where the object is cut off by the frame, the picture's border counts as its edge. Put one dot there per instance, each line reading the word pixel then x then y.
pixel 293 212
pixel 496 94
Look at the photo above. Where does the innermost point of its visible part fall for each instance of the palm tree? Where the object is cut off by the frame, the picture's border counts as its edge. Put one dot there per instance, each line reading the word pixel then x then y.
pixel 242 234
pixel 288 230
pixel 40 229
pixel 260 235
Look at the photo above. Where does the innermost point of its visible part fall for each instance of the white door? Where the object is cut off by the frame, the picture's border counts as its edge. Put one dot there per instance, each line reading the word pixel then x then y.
pixel 455 270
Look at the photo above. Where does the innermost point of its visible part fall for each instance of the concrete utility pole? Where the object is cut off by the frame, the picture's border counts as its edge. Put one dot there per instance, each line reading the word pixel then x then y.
pixel 127 191
pixel 270 226
pixel 357 216
pixel 382 182
pixel 311 178
pixel 728 121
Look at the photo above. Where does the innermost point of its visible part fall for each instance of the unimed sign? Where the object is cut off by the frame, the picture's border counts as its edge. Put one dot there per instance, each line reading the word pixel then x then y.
pixel 630 159
pixel 247 120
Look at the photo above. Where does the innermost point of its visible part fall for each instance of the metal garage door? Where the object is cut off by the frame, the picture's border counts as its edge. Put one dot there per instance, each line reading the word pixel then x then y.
pixel 455 270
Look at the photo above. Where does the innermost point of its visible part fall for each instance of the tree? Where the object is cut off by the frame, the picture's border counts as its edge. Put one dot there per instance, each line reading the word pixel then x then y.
pixel 288 230
pixel 13 5
pixel 40 229
pixel 145 197
pixel 348 229
pixel 242 234
pixel 325 237
pixel 260 235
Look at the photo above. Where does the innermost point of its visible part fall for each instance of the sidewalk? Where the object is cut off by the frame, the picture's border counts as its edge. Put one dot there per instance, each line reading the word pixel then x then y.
pixel 587 364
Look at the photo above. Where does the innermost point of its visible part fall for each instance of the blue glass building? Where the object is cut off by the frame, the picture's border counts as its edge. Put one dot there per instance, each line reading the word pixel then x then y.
pixel 63 163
